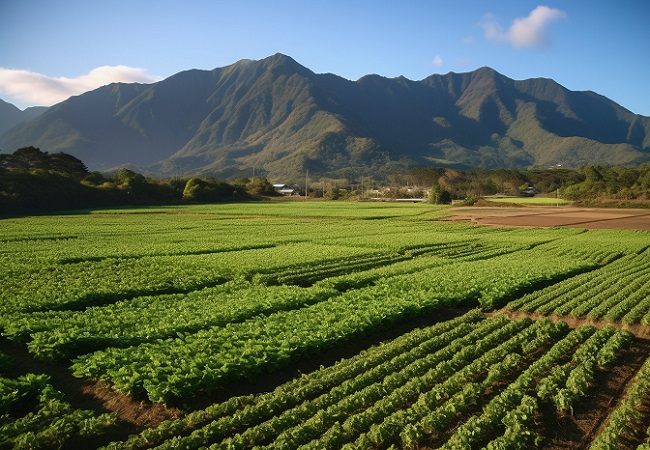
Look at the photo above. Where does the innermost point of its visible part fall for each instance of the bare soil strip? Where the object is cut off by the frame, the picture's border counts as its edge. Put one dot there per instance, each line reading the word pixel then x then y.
pixel 542 216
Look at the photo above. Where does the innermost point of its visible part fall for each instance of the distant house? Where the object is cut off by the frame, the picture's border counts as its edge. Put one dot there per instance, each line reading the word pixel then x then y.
pixel 285 189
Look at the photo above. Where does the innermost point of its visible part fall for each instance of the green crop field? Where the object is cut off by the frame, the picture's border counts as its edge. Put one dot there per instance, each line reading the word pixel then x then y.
pixel 545 201
pixel 320 325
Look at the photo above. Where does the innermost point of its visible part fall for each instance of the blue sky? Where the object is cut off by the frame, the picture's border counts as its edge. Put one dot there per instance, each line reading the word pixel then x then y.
pixel 51 49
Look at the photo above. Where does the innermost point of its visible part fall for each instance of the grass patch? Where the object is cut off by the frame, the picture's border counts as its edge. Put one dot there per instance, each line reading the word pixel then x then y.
pixel 529 200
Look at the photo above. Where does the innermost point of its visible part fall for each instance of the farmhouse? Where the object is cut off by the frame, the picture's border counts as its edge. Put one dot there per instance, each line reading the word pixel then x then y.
pixel 285 189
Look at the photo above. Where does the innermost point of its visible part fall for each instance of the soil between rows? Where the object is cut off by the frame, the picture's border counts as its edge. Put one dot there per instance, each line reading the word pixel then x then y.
pixel 578 430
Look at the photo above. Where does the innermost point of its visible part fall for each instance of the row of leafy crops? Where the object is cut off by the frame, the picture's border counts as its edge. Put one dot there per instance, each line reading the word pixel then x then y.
pixel 45 274
pixel 619 291
pixel 74 286
pixel 206 359
pixel 65 334
pixel 469 382
pixel 34 415
pixel 31 242
pixel 184 231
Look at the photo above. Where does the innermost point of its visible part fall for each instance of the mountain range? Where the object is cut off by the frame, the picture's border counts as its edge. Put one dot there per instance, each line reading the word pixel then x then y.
pixel 278 118
pixel 10 115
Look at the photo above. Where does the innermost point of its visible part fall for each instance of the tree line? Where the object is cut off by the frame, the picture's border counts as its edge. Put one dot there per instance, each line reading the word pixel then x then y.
pixel 587 185
pixel 34 181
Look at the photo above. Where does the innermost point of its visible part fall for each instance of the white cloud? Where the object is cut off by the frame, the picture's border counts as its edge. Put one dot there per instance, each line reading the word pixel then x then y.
pixel 437 61
pixel 38 89
pixel 531 31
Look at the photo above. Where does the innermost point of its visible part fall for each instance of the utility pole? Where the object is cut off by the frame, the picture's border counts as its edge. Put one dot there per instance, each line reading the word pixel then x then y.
pixel 361 187
pixel 306 184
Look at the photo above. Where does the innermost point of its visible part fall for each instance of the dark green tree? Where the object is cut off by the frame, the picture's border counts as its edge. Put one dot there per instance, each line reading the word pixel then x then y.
pixel 199 190
pixel 260 186
pixel 94 178
pixel 26 159
pixel 241 181
pixel 130 182
pixel 68 165
pixel 333 194
pixel 439 196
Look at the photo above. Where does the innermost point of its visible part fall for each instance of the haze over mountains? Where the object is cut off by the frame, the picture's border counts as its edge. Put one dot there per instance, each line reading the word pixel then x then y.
pixel 278 118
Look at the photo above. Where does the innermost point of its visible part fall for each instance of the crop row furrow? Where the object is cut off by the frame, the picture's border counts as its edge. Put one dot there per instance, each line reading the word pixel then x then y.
pixel 629 414
pixel 307 276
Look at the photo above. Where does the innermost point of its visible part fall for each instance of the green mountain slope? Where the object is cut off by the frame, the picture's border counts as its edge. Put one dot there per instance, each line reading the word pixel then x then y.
pixel 10 115
pixel 277 117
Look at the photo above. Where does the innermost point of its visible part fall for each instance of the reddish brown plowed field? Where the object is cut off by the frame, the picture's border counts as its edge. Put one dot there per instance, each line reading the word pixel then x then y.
pixel 538 216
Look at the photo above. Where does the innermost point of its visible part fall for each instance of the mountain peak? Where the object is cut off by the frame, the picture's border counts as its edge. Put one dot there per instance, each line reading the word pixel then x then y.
pixel 485 71
pixel 11 115
pixel 278 63
pixel 285 62
pixel 278 116
pixel 280 58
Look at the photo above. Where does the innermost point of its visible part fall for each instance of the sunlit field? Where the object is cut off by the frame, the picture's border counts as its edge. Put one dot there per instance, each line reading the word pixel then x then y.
pixel 320 325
